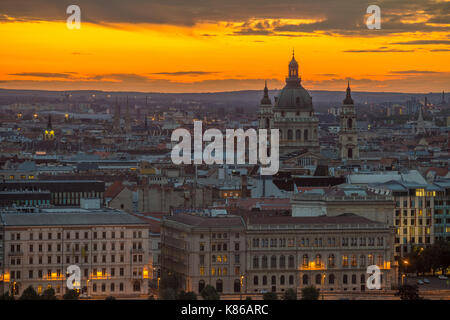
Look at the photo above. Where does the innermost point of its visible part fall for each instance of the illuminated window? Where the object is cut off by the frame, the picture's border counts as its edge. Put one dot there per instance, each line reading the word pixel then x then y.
pixel 344 261
pixel 202 271
pixel 420 192
pixel 213 271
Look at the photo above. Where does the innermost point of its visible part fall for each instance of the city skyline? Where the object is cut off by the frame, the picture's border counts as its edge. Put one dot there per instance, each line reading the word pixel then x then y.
pixel 165 47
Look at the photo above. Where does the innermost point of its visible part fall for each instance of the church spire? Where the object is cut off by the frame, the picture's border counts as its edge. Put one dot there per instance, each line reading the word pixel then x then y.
pixel 348 99
pixel 266 99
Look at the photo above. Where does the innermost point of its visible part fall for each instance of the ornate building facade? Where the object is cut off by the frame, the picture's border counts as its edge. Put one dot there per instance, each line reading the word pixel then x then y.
pixel 292 114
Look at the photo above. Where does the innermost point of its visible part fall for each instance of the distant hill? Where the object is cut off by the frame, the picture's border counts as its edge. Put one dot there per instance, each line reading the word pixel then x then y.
pixel 249 97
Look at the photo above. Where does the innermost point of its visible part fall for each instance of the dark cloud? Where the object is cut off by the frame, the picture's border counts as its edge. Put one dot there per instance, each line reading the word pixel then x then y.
pixel 185 73
pixel 379 50
pixel 43 74
pixel 413 72
pixel 345 17
pixel 413 42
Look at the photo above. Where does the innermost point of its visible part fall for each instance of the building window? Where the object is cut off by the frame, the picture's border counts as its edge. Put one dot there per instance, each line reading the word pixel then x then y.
pixel 318 279
pixel 331 279
pixel 219 286
pixel 201 285
pixel 273 262
pixel 291 262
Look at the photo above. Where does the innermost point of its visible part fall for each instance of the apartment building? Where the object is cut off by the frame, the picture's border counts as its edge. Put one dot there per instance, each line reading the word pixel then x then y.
pixel 110 247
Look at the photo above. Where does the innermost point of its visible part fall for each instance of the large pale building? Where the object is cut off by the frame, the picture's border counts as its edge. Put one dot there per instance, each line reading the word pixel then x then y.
pixel 293 114
pixel 255 253
pixel 111 248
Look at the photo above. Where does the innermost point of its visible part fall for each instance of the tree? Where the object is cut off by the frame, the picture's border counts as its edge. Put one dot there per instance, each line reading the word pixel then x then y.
pixel 187 295
pixel 210 293
pixel 408 292
pixel 270 296
pixel 310 293
pixel 168 280
pixel 290 294
pixel 248 298
pixel 29 294
pixel 48 294
pixel 167 294
pixel 71 295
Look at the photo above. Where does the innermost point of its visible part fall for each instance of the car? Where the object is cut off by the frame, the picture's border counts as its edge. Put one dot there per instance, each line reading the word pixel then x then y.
pixel 426 281
pixel 442 277
pixel 419 281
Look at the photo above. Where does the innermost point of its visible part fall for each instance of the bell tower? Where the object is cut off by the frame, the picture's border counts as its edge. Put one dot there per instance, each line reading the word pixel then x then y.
pixel 265 114
pixel 348 134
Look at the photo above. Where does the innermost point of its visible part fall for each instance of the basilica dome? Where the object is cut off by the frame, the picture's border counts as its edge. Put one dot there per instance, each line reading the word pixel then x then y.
pixel 293 95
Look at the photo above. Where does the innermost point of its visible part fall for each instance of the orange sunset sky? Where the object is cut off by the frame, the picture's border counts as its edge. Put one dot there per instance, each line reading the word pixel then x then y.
pixel 206 46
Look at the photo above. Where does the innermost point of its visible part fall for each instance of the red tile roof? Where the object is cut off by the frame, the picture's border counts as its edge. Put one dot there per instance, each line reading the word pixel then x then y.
pixel 114 189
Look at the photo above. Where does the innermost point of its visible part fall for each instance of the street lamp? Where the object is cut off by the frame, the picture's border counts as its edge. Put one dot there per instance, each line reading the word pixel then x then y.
pixel 242 282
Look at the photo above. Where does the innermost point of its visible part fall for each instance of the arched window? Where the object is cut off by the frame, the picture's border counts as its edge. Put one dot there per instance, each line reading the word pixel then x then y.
pixel 298 134
pixel 331 261
pixel 267 123
pixel 282 280
pixel 264 282
pixel 353 278
pixel 273 262
pixel 255 280
pixel 350 153
pixel 305 279
pixel 136 286
pixel 282 262
pixel 305 135
pixel 318 279
pixel 274 280
pixel 291 280
pixel 344 279
pixel 349 123
pixel 363 278
pixel 201 285
pixel 264 262
pixel 305 260
pixel 331 279
pixel 290 137
pixel 219 285
pixel 291 262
